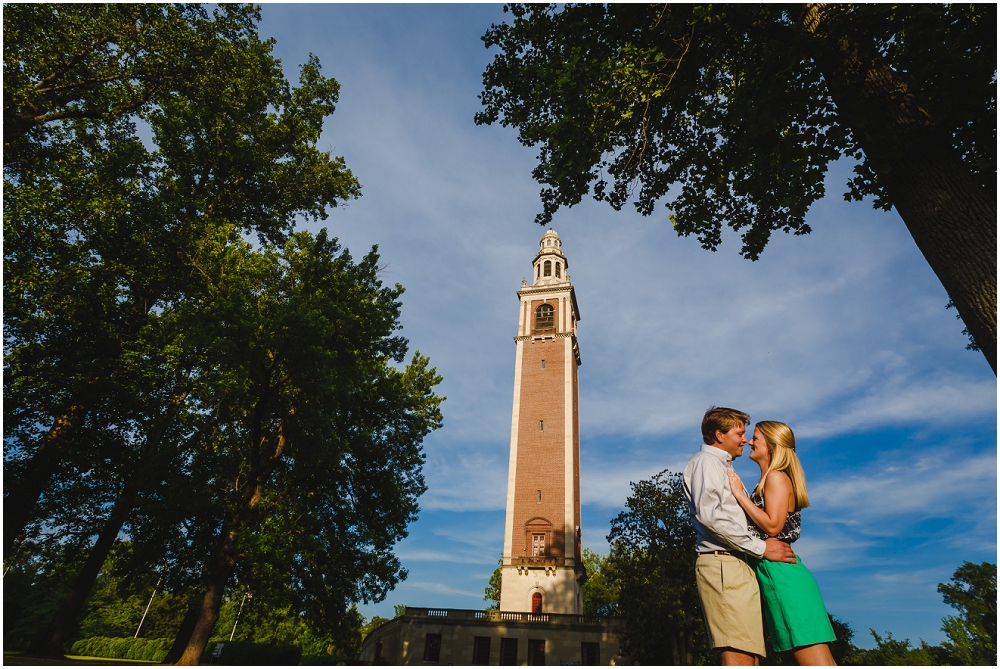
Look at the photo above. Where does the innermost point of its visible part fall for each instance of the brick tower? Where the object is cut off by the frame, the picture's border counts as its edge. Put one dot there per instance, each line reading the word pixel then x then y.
pixel 542 567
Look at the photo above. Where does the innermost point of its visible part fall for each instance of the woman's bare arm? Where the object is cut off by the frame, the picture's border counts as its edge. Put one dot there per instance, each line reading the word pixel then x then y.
pixel 756 515
pixel 777 488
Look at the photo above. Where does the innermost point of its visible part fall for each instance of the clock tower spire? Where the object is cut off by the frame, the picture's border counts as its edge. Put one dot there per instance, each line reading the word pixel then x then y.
pixel 542 566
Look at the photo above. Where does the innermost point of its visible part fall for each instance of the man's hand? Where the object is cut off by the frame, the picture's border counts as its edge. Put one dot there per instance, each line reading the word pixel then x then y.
pixel 779 551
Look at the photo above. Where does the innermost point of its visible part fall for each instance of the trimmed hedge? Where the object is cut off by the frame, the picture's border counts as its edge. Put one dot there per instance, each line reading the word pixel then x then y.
pixel 126 648
pixel 244 653
pixel 155 650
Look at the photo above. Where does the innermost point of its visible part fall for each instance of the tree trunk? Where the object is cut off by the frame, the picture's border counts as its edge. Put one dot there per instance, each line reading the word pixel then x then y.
pixel 949 214
pixel 220 570
pixel 64 623
pixel 20 501
pixel 184 632
pixel 19 504
pixel 266 452
pixel 676 659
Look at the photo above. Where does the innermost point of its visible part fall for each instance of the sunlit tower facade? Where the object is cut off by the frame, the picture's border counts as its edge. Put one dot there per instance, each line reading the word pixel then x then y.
pixel 542 566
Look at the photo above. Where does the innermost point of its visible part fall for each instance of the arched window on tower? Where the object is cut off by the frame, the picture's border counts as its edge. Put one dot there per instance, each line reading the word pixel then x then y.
pixel 558 270
pixel 544 317
pixel 536 603
pixel 538 270
pixel 548 268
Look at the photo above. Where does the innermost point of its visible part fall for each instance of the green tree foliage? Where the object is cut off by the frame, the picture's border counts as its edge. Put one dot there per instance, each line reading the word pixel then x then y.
pixel 734 112
pixel 652 564
pixel 100 231
pixel 599 592
pixel 842 648
pixel 313 462
pixel 118 604
pixel 372 624
pixel 244 418
pixel 493 587
pixel 263 623
pixel 893 652
pixel 972 635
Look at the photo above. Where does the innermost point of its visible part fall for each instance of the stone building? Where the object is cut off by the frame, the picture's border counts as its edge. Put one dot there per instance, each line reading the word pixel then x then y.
pixel 468 637
pixel 540 619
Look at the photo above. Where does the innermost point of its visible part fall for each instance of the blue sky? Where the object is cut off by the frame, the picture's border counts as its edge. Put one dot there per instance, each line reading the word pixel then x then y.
pixel 843 334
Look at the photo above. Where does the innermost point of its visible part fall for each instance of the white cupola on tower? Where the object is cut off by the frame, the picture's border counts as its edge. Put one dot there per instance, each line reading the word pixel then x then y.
pixel 550 265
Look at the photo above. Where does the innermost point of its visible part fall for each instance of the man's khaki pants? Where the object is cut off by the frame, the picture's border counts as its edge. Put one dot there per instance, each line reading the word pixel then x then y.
pixel 731 599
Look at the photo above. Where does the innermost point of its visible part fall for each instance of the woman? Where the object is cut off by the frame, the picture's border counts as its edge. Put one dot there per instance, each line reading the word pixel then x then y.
pixel 793 607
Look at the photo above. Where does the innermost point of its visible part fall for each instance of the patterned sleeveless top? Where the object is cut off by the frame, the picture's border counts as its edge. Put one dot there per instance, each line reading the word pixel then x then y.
pixel 790 532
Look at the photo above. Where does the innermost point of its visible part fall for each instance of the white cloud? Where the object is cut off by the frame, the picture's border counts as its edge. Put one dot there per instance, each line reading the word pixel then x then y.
pixel 420 555
pixel 929 484
pixel 444 589
pixel 832 550
pixel 896 402
pixel 465 477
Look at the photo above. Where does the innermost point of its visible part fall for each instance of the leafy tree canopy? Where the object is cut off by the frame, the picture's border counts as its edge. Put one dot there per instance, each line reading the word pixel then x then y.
pixel 492 593
pixel 240 416
pixel 734 112
pixel 599 592
pixel 100 232
pixel 972 635
pixel 651 565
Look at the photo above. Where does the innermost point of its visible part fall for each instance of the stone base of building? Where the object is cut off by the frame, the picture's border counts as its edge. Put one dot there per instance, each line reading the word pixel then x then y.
pixel 469 637
pixel 558 587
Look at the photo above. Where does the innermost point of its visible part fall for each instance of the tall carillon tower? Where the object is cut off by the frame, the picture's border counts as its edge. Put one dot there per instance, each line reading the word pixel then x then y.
pixel 542 566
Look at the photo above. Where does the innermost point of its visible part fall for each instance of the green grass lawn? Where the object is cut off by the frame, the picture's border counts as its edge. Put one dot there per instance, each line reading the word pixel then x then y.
pixel 22 660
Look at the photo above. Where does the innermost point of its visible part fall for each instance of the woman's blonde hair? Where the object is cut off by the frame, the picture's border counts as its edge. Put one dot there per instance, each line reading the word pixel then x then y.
pixel 781 445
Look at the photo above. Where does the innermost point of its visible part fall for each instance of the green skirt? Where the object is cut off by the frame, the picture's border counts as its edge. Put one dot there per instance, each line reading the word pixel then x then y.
pixel 793 607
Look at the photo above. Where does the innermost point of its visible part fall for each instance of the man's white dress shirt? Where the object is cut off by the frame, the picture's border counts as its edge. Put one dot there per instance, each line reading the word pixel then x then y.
pixel 717 517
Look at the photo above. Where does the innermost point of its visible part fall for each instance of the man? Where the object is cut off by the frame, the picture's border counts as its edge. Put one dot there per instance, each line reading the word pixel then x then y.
pixel 726 583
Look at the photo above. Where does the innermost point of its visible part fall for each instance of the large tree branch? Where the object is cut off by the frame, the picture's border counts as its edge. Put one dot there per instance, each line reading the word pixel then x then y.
pixel 949 214
pixel 20 501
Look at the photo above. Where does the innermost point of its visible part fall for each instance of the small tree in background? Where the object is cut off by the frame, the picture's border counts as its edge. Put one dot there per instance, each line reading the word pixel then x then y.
pixel 652 564
pixel 493 587
pixel 372 624
pixel 972 635
pixel 600 593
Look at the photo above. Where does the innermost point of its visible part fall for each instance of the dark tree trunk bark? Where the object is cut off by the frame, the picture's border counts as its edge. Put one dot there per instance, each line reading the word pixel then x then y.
pixel 64 623
pixel 184 632
pixel 20 501
pixel 676 659
pixel 220 569
pixel 19 504
pixel 266 452
pixel 951 217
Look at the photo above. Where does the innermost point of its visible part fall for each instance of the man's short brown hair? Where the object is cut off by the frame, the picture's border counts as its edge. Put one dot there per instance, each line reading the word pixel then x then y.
pixel 721 418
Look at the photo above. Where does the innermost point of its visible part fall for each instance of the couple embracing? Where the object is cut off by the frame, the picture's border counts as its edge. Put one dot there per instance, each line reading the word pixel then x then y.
pixel 744 550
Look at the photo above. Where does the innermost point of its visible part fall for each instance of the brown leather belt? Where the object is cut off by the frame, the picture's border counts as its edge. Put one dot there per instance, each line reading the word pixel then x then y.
pixel 735 555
